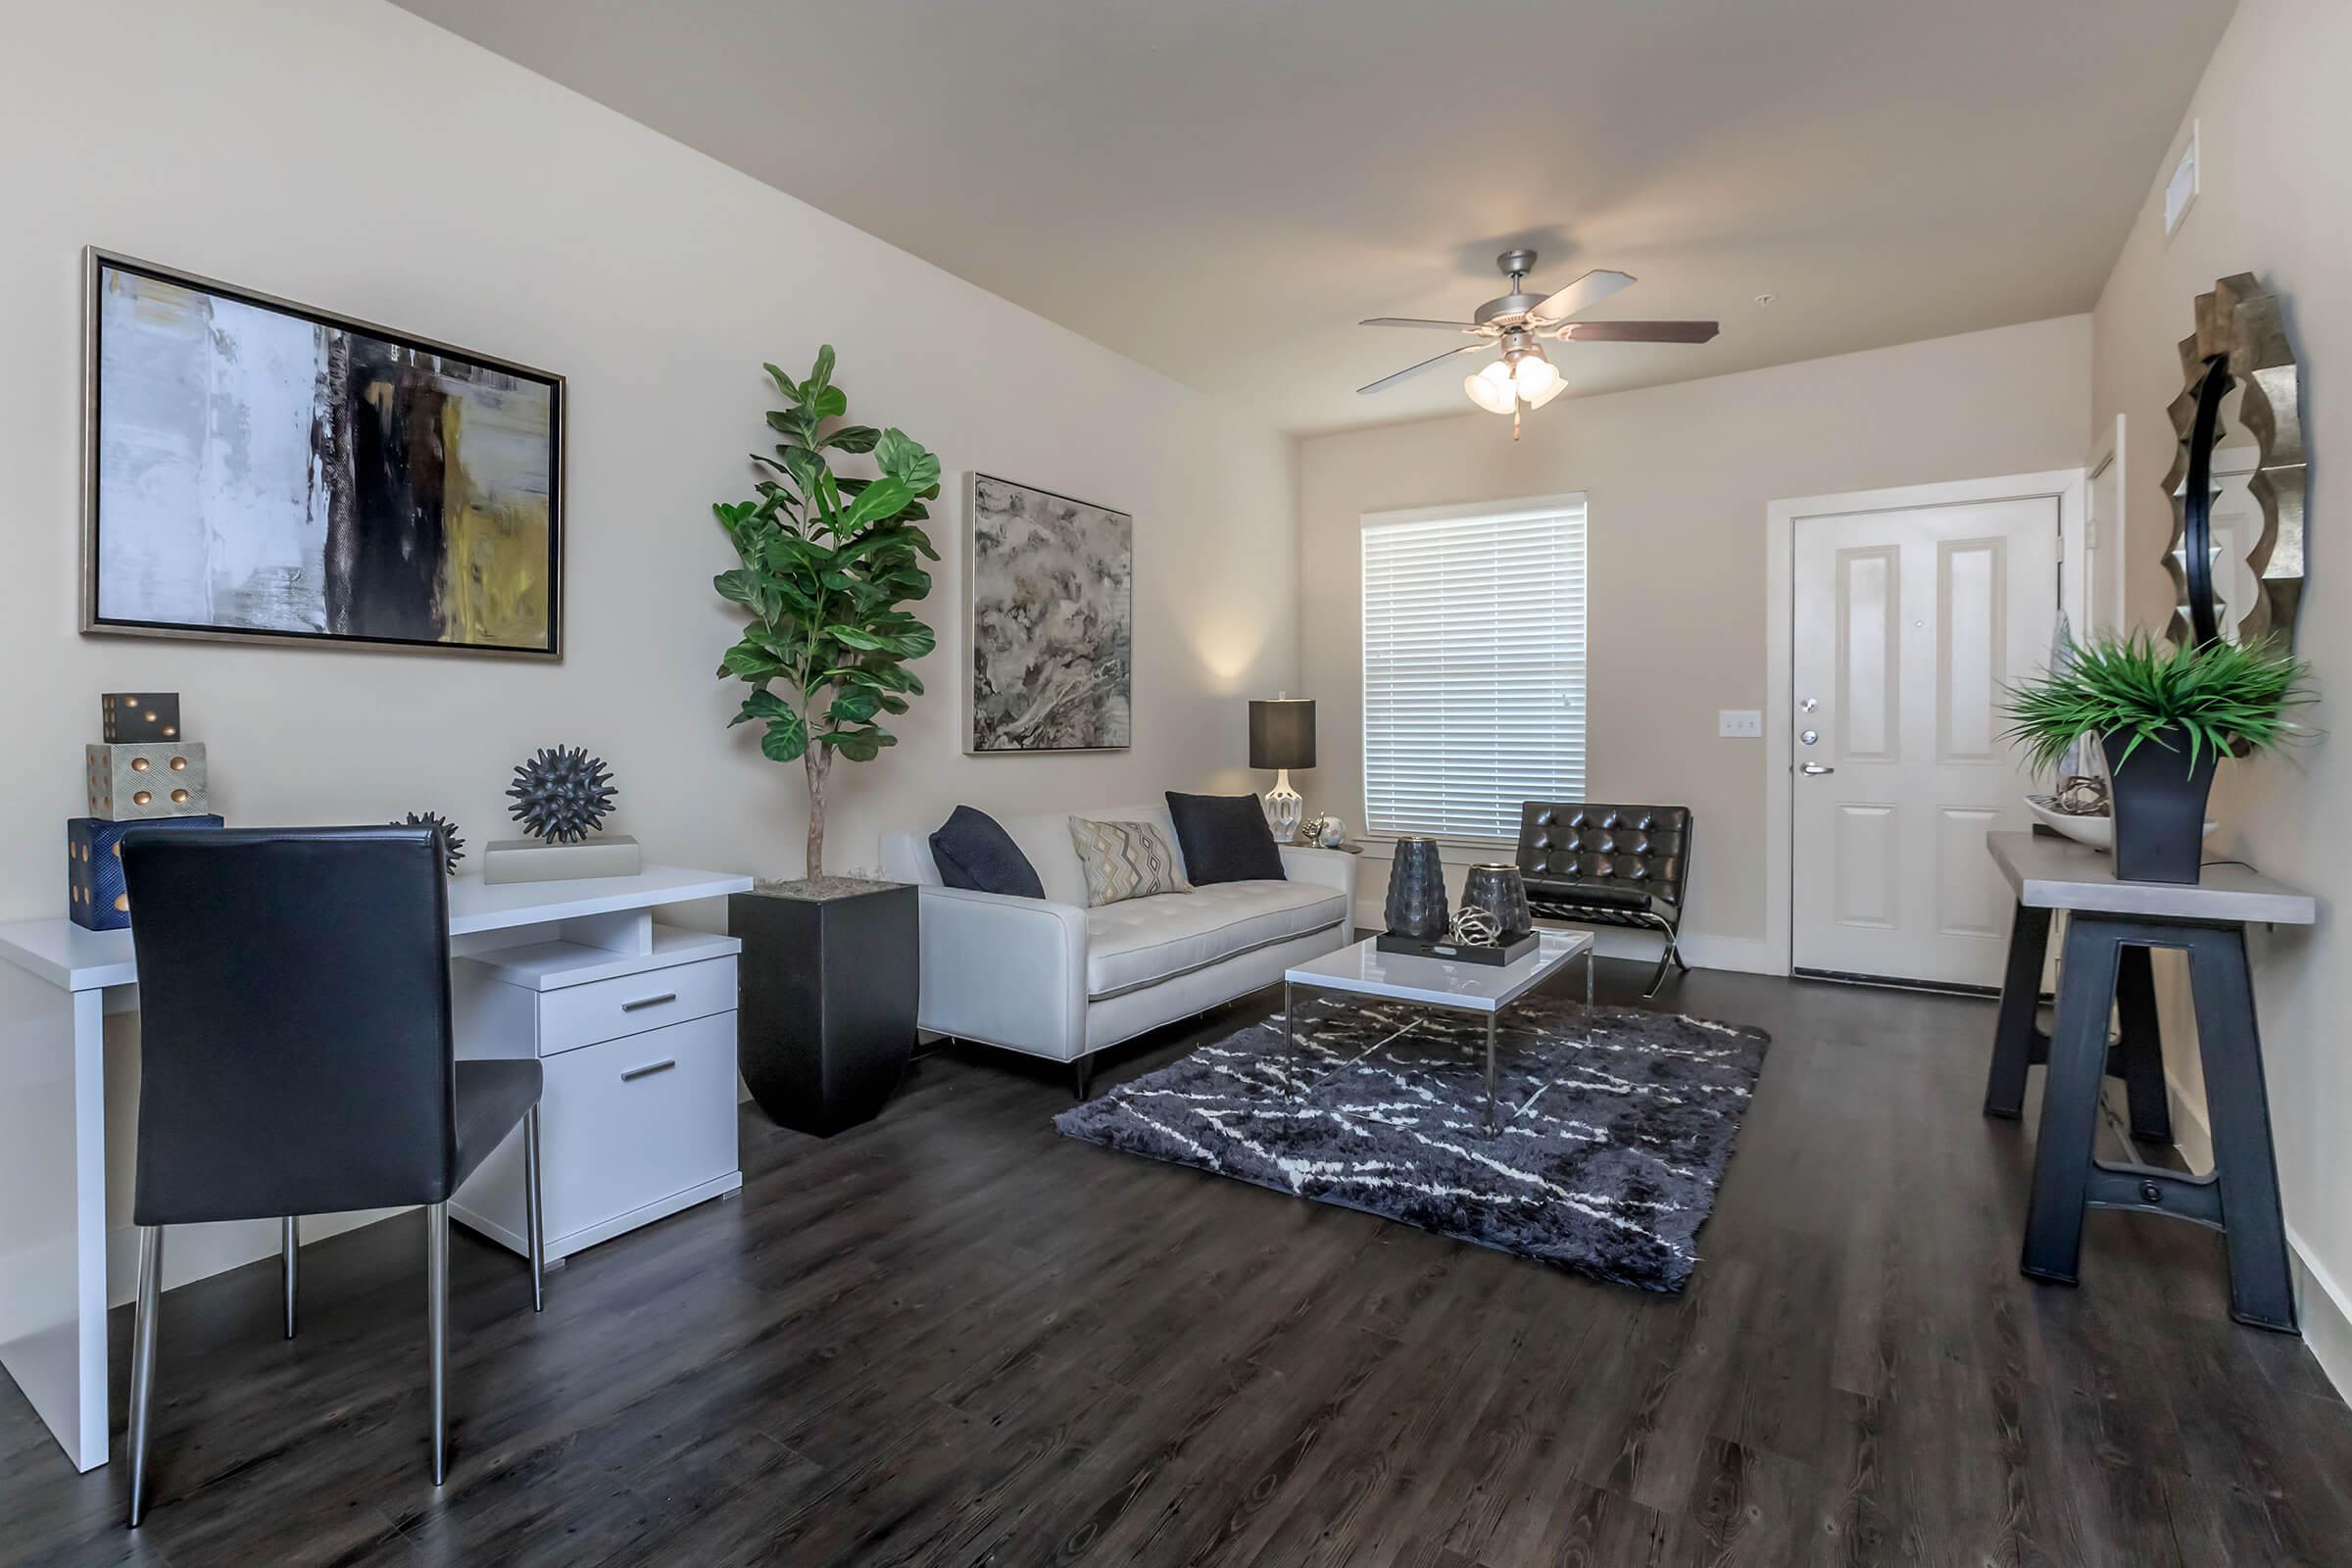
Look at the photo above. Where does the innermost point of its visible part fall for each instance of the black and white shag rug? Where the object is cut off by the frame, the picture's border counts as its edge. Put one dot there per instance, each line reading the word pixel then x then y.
pixel 1607 1160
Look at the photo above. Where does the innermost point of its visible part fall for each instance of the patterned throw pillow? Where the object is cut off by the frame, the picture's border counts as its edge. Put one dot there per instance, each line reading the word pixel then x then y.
pixel 1125 861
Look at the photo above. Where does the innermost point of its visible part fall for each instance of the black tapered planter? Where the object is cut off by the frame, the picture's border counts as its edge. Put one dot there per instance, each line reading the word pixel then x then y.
pixel 830 977
pixel 2158 803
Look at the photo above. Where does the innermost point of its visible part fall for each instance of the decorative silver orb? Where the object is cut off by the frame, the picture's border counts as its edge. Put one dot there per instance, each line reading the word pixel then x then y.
pixel 561 795
pixel 1474 927
pixel 1331 833
pixel 453 848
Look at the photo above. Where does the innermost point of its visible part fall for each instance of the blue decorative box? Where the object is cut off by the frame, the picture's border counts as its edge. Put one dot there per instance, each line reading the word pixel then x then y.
pixel 94 895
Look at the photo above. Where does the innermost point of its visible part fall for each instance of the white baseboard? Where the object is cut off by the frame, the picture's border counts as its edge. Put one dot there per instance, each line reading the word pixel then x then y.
pixel 2192 1140
pixel 2326 1313
pixel 1745 955
pixel 199 1252
pixel 2322 1305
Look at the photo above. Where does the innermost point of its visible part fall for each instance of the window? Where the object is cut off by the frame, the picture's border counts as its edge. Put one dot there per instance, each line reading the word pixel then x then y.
pixel 1474 667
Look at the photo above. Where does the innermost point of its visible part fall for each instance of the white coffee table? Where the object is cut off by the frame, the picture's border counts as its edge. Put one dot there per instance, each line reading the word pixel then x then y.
pixel 1364 971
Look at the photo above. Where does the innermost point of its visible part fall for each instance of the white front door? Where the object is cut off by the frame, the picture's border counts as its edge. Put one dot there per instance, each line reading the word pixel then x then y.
pixel 1909 624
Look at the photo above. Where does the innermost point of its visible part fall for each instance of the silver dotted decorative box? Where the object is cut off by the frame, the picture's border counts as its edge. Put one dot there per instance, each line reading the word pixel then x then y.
pixel 147 779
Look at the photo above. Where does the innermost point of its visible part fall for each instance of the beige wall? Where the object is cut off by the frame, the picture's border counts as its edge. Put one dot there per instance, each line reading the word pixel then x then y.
pixel 2277 201
pixel 345 154
pixel 1677 479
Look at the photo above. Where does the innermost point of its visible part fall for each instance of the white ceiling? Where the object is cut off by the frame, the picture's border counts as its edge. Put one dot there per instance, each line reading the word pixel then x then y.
pixel 1221 188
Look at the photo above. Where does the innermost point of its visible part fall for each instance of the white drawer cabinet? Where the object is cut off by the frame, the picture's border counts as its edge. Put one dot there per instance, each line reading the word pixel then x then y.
pixel 628 1004
pixel 637 1118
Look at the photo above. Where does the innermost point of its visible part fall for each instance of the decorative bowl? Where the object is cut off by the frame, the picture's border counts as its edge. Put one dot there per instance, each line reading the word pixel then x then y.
pixel 2097 831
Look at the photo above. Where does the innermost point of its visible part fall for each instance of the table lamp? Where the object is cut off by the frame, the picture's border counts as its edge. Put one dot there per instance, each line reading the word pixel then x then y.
pixel 1282 736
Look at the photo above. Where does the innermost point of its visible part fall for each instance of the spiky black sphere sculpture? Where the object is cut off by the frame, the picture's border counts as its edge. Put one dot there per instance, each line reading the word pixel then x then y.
pixel 561 795
pixel 453 848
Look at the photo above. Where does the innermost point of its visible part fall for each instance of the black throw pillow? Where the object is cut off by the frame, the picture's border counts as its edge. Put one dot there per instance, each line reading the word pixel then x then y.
pixel 973 850
pixel 1225 839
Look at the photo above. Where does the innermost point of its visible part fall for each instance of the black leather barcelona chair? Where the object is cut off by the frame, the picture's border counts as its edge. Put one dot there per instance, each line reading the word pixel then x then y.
pixel 1620 865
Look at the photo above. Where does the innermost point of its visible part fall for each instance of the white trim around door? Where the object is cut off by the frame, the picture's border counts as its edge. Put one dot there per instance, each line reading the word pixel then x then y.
pixel 2065 486
pixel 2104 538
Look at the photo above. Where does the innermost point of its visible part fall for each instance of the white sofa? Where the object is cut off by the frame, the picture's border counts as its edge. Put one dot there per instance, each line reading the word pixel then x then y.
pixel 1054 978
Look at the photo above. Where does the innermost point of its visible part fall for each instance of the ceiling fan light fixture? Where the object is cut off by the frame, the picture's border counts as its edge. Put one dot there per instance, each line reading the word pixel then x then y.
pixel 1492 388
pixel 1539 378
pixel 1523 378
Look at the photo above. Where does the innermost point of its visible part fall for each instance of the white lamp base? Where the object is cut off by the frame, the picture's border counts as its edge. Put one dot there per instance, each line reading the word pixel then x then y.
pixel 1284 808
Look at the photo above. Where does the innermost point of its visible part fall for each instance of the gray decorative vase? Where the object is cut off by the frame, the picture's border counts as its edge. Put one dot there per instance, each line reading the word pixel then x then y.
pixel 1417 891
pixel 1500 890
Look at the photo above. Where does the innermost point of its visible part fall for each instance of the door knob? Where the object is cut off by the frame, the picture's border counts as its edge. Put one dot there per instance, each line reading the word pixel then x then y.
pixel 1815 769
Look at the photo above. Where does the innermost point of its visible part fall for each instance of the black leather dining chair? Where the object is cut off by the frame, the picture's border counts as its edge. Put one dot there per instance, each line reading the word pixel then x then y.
pixel 296 1056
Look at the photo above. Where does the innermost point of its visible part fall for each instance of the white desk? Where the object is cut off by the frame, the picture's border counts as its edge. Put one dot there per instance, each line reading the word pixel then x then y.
pixel 58 980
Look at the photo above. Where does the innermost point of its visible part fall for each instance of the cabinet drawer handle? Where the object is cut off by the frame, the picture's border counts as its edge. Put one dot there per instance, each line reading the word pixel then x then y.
pixel 649 1070
pixel 649 1002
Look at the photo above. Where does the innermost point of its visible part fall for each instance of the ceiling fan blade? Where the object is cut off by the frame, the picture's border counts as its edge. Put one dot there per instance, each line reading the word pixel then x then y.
pixel 1639 331
pixel 1387 381
pixel 1579 296
pixel 1415 320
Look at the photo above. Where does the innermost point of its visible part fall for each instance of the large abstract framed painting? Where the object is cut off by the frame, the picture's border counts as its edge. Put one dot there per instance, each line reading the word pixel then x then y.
pixel 259 471
pixel 1052 621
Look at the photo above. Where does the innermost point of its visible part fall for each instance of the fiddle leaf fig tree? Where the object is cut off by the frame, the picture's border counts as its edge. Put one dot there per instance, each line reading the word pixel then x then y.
pixel 829 561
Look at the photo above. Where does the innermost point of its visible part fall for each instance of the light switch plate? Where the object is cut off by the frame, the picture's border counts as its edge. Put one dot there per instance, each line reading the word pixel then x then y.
pixel 1739 724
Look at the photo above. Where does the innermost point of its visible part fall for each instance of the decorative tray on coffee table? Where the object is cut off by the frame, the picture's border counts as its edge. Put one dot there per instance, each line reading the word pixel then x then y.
pixel 1510 952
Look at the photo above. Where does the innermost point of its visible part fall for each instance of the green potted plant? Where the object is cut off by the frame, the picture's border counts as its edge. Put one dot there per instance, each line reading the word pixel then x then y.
pixel 2164 716
pixel 829 563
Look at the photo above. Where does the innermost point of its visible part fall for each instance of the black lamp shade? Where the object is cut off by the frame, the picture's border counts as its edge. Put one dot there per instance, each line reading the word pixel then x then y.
pixel 1281 732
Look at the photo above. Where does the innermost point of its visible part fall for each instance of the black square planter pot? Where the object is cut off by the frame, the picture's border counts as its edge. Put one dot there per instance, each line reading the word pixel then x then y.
pixel 2159 802
pixel 829 989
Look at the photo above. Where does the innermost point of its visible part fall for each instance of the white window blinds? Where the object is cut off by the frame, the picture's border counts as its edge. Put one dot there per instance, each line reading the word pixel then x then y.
pixel 1474 669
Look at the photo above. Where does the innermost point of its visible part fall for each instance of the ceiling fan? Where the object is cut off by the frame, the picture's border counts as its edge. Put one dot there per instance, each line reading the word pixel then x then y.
pixel 1514 322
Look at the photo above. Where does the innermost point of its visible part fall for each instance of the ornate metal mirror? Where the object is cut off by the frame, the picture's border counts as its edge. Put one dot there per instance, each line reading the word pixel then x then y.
pixel 2236 574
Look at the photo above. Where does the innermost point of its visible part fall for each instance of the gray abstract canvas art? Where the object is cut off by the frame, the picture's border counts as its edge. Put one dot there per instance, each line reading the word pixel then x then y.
pixel 257 468
pixel 1052 623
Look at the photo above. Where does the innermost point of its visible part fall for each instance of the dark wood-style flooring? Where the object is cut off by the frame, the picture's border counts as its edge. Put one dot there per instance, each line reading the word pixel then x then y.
pixel 954 1336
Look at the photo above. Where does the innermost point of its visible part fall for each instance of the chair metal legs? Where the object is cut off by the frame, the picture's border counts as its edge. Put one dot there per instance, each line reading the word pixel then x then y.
pixel 289 1247
pixel 436 1302
pixel 1672 955
pixel 143 1362
pixel 534 1214
pixel 436 1298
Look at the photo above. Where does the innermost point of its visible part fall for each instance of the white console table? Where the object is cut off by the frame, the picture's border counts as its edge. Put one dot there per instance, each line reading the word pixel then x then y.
pixel 633 1020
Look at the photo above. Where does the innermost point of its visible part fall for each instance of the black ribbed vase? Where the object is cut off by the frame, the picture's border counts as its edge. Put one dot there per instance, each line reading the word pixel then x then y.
pixel 1501 892
pixel 1417 891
